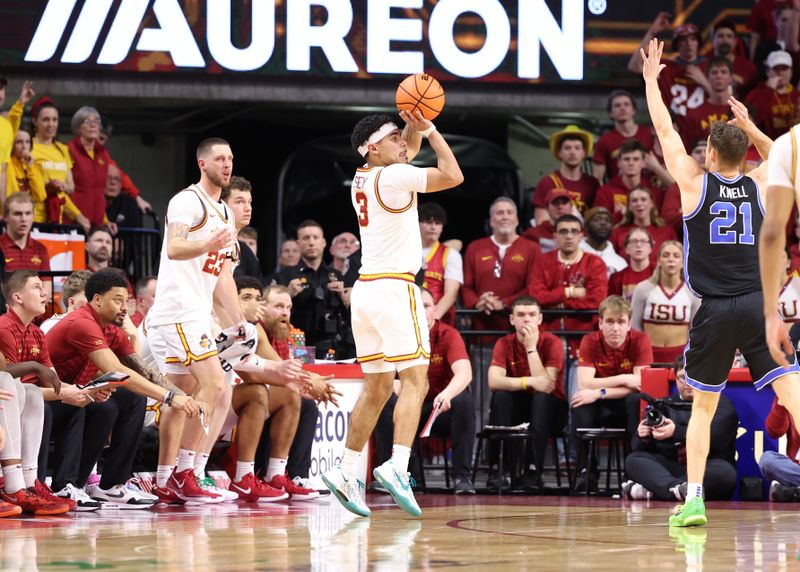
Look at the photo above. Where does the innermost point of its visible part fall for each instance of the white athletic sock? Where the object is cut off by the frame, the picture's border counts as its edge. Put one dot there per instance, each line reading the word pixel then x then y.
pixel 29 474
pixel 350 462
pixel 185 460
pixel 14 479
pixel 200 461
pixel 694 490
pixel 400 456
pixel 162 475
pixel 243 468
pixel 275 467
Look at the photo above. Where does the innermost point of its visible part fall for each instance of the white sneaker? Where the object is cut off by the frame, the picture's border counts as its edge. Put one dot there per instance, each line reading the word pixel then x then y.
pixel 132 485
pixel 306 484
pixel 83 501
pixel 399 486
pixel 123 497
pixel 208 484
pixel 348 491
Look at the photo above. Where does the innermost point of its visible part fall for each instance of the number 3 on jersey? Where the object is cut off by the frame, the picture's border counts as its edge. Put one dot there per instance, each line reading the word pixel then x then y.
pixel 363 215
pixel 214 262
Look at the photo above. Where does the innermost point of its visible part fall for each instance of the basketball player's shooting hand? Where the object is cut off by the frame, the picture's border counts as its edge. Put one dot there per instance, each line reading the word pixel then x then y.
pixel 415 120
pixel 221 238
pixel 778 340
pixel 741 115
pixel 651 61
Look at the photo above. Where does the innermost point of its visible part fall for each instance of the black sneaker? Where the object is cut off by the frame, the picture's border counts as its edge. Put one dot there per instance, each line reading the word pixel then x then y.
pixel 783 493
pixel 586 479
pixel 494 481
pixel 530 482
pixel 464 487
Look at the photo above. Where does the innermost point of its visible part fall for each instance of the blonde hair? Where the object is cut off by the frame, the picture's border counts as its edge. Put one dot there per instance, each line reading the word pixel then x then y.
pixel 616 305
pixel 655 278
pixel 655 216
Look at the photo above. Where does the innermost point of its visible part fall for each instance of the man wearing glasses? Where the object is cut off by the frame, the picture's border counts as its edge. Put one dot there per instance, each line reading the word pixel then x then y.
pixel 569 278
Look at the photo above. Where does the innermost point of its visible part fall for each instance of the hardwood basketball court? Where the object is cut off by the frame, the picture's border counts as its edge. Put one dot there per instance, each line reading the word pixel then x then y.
pixel 476 533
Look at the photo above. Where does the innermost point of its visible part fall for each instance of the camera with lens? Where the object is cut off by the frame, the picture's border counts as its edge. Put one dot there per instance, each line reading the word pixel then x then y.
pixel 657 411
pixel 653 417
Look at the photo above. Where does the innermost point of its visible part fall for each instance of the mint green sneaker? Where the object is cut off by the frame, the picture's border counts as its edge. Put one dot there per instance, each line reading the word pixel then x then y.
pixel 399 486
pixel 208 484
pixel 692 513
pixel 349 491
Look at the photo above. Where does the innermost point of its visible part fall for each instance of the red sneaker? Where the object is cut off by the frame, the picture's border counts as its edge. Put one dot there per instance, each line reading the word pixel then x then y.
pixel 46 493
pixel 252 489
pixel 32 503
pixel 8 509
pixel 296 492
pixel 185 487
pixel 166 495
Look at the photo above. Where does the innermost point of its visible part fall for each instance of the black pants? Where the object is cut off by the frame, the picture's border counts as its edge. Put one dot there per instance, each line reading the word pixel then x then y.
pixel 458 423
pixel 547 415
pixel 64 424
pixel 299 461
pixel 122 416
pixel 619 413
pixel 658 474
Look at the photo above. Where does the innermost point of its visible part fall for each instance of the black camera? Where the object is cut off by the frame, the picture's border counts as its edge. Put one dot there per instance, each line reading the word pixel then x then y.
pixel 657 411
pixel 653 417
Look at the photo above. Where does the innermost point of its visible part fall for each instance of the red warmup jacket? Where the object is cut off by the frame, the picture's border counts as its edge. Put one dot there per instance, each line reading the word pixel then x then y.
pixel 480 261
pixel 778 424
pixel 549 284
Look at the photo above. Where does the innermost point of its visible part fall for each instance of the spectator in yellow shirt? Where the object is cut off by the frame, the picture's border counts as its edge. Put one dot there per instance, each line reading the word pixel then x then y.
pixel 22 173
pixel 9 125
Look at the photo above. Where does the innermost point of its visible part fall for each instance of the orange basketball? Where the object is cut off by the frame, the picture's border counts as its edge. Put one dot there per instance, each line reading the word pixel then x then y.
pixel 423 92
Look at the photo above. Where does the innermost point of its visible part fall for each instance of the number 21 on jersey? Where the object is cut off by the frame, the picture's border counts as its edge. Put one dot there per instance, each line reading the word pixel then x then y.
pixel 727 216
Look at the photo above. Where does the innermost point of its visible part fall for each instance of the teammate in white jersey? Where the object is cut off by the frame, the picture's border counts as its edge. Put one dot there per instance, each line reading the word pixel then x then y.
pixel 195 275
pixel 388 318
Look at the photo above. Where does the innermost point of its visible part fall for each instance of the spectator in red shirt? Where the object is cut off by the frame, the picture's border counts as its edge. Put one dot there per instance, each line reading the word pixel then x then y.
pixel 671 209
pixel 614 194
pixel 609 378
pixel 621 109
pixel 90 342
pixel 558 203
pixel 782 471
pixel 20 251
pixel 22 345
pixel 679 82
pixel 145 297
pixel 762 23
pixel 639 252
pixel 527 382
pixel 787 24
pixel 449 377
pixel 642 213
pixel 571 147
pixel 696 124
pixel 774 102
pixel 90 170
pixel 724 42
pixel 569 278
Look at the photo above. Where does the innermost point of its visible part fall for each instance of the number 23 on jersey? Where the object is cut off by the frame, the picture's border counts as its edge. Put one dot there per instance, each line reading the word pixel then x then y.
pixel 214 262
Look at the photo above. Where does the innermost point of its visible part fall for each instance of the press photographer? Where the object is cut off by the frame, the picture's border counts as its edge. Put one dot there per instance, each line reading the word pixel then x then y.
pixel 657 465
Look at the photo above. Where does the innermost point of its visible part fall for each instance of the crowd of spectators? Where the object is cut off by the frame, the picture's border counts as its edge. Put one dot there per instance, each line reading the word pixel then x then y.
pixel 569 306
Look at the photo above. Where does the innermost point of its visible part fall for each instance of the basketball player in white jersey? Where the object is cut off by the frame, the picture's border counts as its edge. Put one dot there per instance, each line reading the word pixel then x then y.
pixel 388 318
pixel 195 275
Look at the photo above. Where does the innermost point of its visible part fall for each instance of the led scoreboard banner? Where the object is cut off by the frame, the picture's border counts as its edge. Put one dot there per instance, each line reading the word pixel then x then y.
pixel 516 41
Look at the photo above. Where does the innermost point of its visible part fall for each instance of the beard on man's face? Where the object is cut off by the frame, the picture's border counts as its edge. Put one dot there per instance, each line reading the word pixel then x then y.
pixel 276 329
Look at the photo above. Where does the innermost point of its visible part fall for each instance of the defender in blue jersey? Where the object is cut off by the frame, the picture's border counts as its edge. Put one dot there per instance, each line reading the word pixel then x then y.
pixel 723 213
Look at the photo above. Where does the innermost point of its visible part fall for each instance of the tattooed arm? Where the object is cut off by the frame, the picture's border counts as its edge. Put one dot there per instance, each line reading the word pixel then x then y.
pixel 179 247
pixel 134 362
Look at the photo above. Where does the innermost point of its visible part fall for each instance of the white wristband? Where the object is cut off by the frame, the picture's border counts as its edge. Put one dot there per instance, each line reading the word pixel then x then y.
pixel 428 131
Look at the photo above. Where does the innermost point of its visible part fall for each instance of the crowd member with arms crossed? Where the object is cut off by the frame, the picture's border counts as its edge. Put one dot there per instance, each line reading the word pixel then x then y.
pixel 449 376
pixel 598 232
pixel 529 361
pixel 609 377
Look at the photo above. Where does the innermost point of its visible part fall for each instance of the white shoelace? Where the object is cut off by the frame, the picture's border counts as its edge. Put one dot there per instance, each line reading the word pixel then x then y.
pixel 77 494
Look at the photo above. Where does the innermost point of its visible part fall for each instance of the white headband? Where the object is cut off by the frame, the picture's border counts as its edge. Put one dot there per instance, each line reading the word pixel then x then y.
pixel 384 130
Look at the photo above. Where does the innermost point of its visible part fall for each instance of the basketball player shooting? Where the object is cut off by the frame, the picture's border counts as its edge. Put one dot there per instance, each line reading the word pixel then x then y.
pixel 722 220
pixel 388 318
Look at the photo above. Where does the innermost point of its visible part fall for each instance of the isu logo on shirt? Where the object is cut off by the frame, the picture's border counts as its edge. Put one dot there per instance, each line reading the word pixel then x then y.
pixel 35 351
pixel 517 258
pixel 626 365
pixel 36 260
pixel 436 359
pixel 205 343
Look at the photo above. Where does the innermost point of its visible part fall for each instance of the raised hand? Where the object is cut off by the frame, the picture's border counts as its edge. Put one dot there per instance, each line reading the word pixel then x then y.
pixel 741 115
pixel 651 61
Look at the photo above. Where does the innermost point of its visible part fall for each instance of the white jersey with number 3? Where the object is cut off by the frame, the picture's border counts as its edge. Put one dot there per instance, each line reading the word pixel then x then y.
pixel 185 288
pixel 385 201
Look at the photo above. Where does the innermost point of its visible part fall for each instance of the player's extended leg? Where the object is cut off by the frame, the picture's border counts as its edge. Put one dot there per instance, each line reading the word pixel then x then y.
pixel 341 480
pixel 215 424
pixel 210 390
pixel 170 431
pixel 698 442
pixel 394 473
pixel 251 403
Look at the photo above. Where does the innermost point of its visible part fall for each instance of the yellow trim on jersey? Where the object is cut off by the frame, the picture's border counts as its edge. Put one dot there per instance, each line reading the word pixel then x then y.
pixel 388 209
pixel 420 351
pixel 365 169
pixel 204 197
pixel 794 155
pixel 155 408
pixel 372 357
pixel 190 357
pixel 405 277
